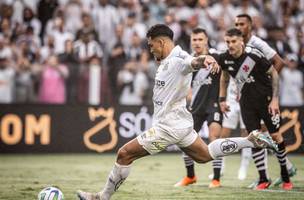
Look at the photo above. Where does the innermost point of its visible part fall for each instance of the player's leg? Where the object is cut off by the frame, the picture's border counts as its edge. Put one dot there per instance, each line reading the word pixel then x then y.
pixel 214 123
pixel 202 153
pixel 251 118
pixel 273 125
pixel 189 163
pixel 259 157
pixel 246 152
pixel 151 141
pixel 230 121
pixel 245 156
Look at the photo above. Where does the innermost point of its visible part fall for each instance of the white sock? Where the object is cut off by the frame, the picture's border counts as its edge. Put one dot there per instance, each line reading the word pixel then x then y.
pixel 226 146
pixel 116 177
pixel 223 166
pixel 246 157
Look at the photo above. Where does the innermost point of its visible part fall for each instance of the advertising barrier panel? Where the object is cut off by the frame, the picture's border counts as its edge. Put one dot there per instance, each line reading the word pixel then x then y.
pixel 72 129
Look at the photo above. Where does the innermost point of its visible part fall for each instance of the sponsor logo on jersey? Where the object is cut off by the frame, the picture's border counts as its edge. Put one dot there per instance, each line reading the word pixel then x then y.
pixel 229 62
pixel 250 79
pixel 207 81
pixel 228 146
pixel 159 103
pixel 160 83
pixel 230 68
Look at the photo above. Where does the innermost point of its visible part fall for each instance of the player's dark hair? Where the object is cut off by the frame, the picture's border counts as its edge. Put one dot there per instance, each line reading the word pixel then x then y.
pixel 199 30
pixel 234 32
pixel 245 16
pixel 160 30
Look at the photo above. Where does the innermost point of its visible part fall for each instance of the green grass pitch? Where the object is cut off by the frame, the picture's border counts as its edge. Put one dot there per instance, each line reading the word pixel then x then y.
pixel 23 176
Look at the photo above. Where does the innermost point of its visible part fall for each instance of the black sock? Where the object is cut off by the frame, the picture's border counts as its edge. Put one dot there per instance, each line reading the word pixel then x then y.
pixel 217 165
pixel 189 165
pixel 281 155
pixel 258 156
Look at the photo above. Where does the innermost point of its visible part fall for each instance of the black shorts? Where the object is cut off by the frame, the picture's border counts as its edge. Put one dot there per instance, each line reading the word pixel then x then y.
pixel 254 112
pixel 212 114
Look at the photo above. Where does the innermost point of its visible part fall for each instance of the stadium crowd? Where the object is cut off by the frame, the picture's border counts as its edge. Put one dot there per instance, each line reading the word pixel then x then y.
pixel 95 52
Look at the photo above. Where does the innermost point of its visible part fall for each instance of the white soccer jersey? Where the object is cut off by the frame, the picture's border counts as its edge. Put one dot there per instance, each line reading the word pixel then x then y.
pixel 172 83
pixel 261 45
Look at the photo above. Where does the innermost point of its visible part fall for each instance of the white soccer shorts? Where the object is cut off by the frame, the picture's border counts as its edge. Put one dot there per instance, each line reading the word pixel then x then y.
pixel 233 117
pixel 157 138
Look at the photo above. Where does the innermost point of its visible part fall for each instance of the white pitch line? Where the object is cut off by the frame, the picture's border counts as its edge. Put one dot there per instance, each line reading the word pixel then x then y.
pixel 269 190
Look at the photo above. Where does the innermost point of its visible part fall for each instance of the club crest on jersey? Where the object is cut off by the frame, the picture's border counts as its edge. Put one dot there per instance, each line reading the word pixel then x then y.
pixel 246 68
pixel 228 146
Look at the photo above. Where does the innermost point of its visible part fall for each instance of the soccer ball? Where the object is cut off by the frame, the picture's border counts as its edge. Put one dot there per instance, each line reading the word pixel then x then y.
pixel 50 193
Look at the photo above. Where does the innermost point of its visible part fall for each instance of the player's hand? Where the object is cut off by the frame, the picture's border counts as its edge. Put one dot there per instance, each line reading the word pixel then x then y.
pixel 273 107
pixel 211 63
pixel 224 108
pixel 206 61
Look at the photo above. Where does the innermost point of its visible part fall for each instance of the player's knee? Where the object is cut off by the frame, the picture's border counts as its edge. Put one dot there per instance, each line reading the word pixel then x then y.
pixel 202 159
pixel 124 157
pixel 277 137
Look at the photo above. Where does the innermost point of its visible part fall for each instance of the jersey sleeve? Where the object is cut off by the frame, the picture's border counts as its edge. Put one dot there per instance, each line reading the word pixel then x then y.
pixel 262 63
pixel 185 60
pixel 260 44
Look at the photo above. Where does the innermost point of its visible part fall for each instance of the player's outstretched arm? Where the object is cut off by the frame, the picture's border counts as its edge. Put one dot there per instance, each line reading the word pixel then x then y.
pixel 205 61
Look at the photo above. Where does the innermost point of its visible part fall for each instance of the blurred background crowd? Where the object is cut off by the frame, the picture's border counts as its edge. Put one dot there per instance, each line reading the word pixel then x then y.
pixel 94 51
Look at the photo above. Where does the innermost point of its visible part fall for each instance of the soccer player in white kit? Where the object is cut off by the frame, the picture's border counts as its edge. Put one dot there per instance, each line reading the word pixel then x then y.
pixel 172 122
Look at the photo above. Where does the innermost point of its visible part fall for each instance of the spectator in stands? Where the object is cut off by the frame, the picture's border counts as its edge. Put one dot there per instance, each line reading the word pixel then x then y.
pixel 87 27
pixel 105 28
pixel 7 73
pixel 86 47
pixel 52 82
pixel 116 61
pixel 184 39
pixel 170 21
pixel 301 58
pixel 29 19
pixel 72 13
pixel 47 49
pixel 94 86
pixel 291 83
pixel 278 41
pixel 131 26
pixel 24 82
pixel 69 59
pixel 205 20
pixel 133 84
pixel 60 34
pixel 6 29
pixel 146 18
pixel 45 11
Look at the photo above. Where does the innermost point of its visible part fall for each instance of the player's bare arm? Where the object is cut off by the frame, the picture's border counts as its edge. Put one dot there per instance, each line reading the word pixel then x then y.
pixel 205 61
pixel 274 104
pixel 278 62
pixel 224 81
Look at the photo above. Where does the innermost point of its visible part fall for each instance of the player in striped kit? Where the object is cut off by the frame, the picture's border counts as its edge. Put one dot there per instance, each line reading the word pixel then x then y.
pixel 204 106
pixel 243 22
